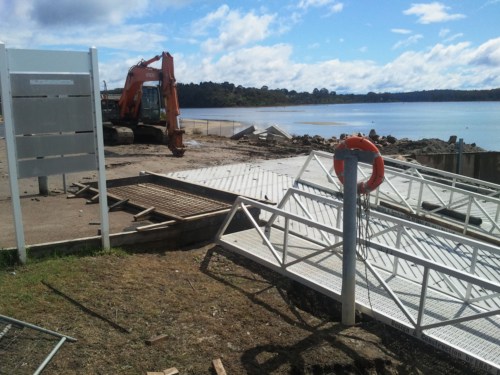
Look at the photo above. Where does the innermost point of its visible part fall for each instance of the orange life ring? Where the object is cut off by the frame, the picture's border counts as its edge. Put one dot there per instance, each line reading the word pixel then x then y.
pixel 360 143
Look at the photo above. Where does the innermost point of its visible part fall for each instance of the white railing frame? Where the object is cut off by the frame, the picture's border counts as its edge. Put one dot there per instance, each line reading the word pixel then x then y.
pixel 401 226
pixel 467 200
pixel 241 203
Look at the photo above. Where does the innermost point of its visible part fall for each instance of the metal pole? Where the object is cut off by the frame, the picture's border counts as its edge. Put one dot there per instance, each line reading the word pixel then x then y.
pixel 43 185
pixel 36 328
pixel 101 172
pixel 49 357
pixel 65 186
pixel 459 155
pixel 349 234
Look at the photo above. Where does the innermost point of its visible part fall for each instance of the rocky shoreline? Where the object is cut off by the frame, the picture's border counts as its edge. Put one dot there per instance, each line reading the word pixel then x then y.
pixel 390 145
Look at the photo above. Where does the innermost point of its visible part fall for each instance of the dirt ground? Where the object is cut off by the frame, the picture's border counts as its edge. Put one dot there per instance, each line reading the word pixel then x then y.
pixel 209 303
pixel 55 218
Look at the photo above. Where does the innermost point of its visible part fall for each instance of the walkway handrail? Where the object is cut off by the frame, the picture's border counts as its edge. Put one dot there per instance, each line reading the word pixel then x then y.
pixel 459 197
pixel 468 278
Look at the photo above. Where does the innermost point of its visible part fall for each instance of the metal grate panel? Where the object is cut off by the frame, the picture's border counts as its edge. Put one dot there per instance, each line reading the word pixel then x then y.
pixel 167 201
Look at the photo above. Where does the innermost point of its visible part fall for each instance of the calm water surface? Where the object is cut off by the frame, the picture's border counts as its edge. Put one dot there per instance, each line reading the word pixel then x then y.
pixel 477 122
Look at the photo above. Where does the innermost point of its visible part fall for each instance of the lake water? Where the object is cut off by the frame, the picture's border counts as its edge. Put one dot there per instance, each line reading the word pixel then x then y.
pixel 475 122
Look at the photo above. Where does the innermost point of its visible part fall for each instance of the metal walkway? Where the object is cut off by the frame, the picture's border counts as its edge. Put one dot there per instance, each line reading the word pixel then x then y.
pixel 438 286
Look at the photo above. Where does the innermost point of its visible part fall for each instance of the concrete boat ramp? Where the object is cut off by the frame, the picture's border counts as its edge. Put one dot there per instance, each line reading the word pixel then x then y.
pixel 428 259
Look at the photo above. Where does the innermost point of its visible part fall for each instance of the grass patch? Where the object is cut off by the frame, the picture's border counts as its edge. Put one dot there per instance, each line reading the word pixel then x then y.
pixel 22 285
pixel 9 259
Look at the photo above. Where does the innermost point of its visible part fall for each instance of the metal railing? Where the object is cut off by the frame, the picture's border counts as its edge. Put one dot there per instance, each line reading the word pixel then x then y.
pixel 471 205
pixel 459 285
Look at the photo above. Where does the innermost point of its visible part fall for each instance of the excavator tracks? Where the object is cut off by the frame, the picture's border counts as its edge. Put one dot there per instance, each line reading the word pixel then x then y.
pixel 118 135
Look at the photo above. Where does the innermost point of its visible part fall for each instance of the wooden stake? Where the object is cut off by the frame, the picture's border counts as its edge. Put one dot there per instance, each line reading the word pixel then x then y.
pixel 218 367
pixel 156 339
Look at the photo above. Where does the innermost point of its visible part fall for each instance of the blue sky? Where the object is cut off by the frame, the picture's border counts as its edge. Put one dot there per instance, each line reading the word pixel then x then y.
pixel 347 46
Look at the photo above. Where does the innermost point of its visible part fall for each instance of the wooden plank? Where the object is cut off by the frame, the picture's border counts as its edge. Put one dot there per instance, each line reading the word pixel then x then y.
pixel 170 371
pixel 155 373
pixel 118 204
pixel 96 191
pixel 156 339
pixel 144 213
pixel 218 367
pixel 94 199
pixel 156 225
pixel 79 192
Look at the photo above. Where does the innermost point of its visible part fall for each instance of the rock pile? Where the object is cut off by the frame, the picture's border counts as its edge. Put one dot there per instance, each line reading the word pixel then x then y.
pixel 389 145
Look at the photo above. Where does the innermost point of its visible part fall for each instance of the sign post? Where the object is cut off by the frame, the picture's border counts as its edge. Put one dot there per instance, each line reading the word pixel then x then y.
pixel 53 121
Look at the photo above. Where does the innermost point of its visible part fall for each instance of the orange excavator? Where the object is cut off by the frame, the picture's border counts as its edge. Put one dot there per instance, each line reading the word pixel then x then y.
pixel 137 113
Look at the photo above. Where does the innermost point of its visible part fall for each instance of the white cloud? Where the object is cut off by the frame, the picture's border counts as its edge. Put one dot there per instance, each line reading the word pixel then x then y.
pixel 444 32
pixel 336 8
pixel 202 25
pixel 457 66
pixel 304 4
pixel 241 67
pixel 447 38
pixel 332 6
pixel 408 41
pixel 234 29
pixel 490 2
pixel 451 38
pixel 432 13
pixel 488 54
pixel 401 31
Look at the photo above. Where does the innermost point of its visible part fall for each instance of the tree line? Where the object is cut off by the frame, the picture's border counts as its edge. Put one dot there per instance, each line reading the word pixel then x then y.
pixel 210 94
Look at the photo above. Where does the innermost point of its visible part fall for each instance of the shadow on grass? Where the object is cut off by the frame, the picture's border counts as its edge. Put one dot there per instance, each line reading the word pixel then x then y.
pixel 264 359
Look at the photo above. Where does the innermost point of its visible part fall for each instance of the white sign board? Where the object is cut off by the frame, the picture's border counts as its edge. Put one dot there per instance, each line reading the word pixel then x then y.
pixel 53 123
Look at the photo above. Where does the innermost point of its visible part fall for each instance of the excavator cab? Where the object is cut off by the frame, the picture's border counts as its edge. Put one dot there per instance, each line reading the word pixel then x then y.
pixel 150 105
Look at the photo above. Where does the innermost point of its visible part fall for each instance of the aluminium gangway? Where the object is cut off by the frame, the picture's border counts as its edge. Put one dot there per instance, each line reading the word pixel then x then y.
pixel 440 287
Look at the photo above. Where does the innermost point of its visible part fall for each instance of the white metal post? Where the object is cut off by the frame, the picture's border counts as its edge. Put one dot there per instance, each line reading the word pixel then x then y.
pixel 103 201
pixel 11 152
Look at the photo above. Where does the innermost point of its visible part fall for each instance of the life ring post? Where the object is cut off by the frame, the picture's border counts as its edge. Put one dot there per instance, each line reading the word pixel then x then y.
pixel 350 159
pixel 345 163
